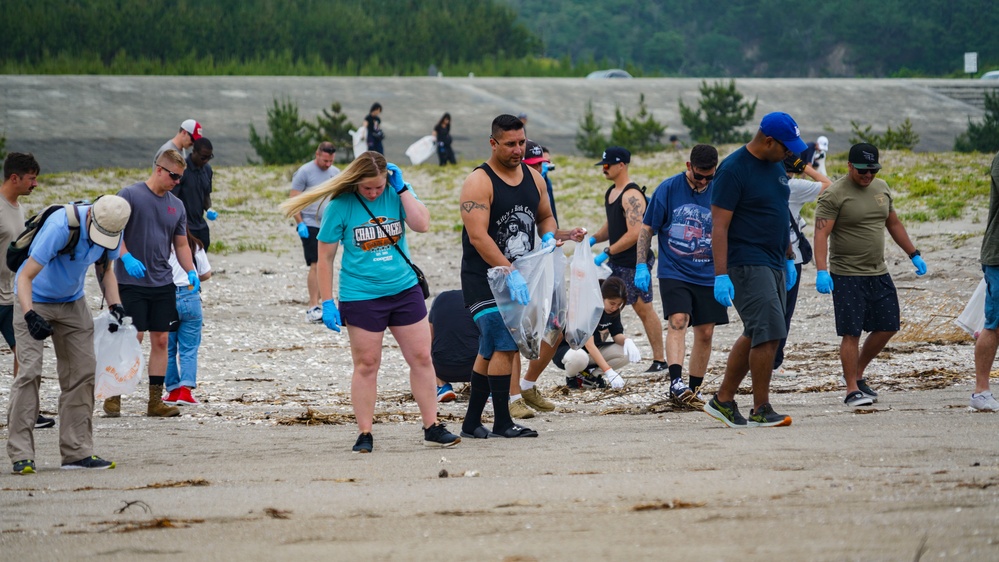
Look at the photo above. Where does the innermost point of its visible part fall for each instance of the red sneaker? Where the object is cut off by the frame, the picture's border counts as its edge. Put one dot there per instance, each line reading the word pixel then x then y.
pixel 181 396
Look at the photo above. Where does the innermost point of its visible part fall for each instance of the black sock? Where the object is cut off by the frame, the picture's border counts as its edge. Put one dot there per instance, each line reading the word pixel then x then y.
pixel 696 382
pixel 500 385
pixel 156 381
pixel 476 402
pixel 675 372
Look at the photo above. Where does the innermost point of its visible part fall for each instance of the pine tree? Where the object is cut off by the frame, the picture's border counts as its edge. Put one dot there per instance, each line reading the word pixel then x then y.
pixel 290 140
pixel 721 110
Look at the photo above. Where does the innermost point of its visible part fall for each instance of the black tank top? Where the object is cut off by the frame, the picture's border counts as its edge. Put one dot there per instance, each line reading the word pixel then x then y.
pixel 512 224
pixel 617 226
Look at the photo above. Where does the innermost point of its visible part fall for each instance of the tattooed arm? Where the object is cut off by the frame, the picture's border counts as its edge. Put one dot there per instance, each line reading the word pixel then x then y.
pixel 823 228
pixel 644 244
pixel 476 199
pixel 634 212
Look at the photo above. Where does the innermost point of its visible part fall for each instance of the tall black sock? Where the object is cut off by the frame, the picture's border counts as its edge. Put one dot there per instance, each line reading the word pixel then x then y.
pixel 476 402
pixel 675 372
pixel 696 382
pixel 156 381
pixel 500 385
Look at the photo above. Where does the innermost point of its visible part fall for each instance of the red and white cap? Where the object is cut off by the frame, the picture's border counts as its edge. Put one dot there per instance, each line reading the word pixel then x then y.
pixel 193 127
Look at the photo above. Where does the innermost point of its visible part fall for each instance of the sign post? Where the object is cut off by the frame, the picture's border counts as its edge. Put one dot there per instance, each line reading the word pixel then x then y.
pixel 971 63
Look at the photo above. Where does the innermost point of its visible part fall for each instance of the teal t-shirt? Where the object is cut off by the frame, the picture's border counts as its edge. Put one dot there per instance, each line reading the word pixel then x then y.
pixel 370 268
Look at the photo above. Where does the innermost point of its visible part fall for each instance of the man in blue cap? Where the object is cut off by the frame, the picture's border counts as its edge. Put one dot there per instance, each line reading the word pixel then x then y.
pixel 750 245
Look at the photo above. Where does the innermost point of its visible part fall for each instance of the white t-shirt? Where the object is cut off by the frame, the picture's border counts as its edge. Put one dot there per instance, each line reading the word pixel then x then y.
pixel 802 191
pixel 201 265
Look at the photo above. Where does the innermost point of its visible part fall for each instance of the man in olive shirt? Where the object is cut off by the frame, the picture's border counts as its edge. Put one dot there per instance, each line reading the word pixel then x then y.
pixel 854 212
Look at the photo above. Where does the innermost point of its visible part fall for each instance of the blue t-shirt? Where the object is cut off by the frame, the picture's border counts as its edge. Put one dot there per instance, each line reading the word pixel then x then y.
pixel 756 192
pixel 681 218
pixel 62 278
pixel 370 268
pixel 156 221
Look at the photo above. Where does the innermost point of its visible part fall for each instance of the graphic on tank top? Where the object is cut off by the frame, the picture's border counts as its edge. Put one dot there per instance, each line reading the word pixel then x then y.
pixel 515 232
pixel 690 232
pixel 370 237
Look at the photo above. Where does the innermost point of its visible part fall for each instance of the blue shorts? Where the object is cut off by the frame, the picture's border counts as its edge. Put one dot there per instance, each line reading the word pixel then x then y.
pixel 865 304
pixel 991 296
pixel 493 333
pixel 627 274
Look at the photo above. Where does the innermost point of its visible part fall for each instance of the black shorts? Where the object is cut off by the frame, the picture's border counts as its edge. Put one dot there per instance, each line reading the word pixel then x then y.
pixel 865 303
pixel 696 301
pixel 455 373
pixel 310 246
pixel 7 324
pixel 153 309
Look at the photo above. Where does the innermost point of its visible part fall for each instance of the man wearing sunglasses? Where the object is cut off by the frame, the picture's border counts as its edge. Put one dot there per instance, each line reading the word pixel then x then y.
pixel 195 190
pixel 190 131
pixel 680 214
pixel 850 223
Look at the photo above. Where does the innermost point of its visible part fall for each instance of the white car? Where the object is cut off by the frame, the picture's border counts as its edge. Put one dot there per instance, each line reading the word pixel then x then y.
pixel 612 73
pixel 991 75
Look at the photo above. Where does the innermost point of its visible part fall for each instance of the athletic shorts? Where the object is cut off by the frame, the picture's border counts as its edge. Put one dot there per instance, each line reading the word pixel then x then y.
pixel 696 301
pixel 310 246
pixel 865 303
pixel 7 324
pixel 991 297
pixel 760 298
pixel 375 315
pixel 627 274
pixel 153 309
pixel 493 333
pixel 455 373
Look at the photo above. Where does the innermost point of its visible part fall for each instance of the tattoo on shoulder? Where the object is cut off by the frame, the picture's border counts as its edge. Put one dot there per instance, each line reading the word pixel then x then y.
pixel 820 223
pixel 635 213
pixel 469 206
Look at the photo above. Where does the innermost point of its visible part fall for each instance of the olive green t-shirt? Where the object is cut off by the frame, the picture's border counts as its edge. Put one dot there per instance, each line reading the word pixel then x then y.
pixel 11 225
pixel 857 243
pixel 990 243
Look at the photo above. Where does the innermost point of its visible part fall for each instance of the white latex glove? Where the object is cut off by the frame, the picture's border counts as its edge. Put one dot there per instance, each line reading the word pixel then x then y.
pixel 631 350
pixel 613 379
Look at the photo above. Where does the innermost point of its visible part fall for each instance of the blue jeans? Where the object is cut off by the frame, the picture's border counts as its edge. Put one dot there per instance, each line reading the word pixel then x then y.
pixel 186 340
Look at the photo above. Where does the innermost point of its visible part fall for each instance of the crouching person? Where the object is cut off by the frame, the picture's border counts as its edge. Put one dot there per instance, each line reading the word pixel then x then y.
pixel 50 302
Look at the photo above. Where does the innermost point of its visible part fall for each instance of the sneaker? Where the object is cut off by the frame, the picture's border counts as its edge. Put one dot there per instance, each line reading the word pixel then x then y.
pixel 680 391
pixel 657 366
pixel 984 402
pixel 24 467
pixel 364 444
pixel 725 412
pixel 858 398
pixel 446 393
pixel 481 432
pixel 868 392
pixel 43 422
pixel 519 409
pixel 438 436
pixel 181 396
pixel 516 431
pixel 314 315
pixel 92 462
pixel 534 399
pixel 765 416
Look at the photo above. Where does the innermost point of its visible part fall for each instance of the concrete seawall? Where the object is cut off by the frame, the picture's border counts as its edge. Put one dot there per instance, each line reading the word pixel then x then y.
pixel 84 122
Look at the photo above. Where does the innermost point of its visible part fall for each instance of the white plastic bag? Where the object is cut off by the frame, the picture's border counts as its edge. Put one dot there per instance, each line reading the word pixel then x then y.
pixel 560 298
pixel 359 140
pixel 526 323
pixel 972 320
pixel 586 304
pixel 422 149
pixel 119 358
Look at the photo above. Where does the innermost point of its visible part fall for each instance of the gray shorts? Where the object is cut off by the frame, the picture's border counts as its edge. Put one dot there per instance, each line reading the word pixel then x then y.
pixel 760 299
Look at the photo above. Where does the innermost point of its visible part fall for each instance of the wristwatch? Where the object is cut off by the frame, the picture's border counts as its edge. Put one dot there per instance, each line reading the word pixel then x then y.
pixel 607 250
pixel 914 254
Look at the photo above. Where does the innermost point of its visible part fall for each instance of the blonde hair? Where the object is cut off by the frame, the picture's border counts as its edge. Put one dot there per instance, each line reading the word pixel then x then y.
pixel 368 165
pixel 172 156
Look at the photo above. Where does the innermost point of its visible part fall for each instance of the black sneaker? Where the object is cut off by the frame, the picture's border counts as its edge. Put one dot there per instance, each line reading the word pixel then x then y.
pixel 657 366
pixel 92 462
pixel 43 422
pixel 364 444
pixel 765 416
pixel 725 412
pixel 438 436
pixel 24 467
pixel 868 391
pixel 517 431
pixel 858 398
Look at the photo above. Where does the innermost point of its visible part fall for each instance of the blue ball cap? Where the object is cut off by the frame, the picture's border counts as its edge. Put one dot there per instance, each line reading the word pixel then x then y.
pixel 782 127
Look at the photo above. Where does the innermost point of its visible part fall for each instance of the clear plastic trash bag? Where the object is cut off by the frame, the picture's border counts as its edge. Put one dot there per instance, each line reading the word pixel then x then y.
pixel 119 358
pixel 527 323
pixel 972 320
pixel 560 298
pixel 586 304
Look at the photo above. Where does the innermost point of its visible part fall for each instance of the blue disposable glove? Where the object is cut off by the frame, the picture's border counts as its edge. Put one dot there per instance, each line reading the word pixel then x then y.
pixel 303 230
pixel 133 266
pixel 724 290
pixel 601 258
pixel 791 275
pixel 518 287
pixel 211 215
pixel 823 282
pixel 395 177
pixel 642 277
pixel 548 240
pixel 331 316
pixel 593 240
pixel 544 169
pixel 920 265
pixel 193 281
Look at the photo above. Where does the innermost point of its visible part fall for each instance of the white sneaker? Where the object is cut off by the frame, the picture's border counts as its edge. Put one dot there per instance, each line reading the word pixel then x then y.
pixel 314 315
pixel 984 402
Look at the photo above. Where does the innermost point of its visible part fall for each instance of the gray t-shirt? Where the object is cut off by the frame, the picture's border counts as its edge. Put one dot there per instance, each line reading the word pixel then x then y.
pixel 167 146
pixel 149 234
pixel 11 224
pixel 306 178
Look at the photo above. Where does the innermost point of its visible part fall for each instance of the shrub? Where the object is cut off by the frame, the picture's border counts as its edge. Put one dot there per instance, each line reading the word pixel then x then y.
pixel 332 125
pixel 903 138
pixel 589 141
pixel 290 140
pixel 721 110
pixel 641 133
pixel 984 136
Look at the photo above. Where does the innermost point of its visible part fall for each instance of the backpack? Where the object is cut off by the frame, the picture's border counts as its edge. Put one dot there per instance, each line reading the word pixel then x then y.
pixel 17 252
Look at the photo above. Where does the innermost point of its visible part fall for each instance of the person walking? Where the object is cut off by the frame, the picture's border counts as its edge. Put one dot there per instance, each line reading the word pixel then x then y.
pixel 988 339
pixel 309 176
pixel 190 131
pixel 183 342
pixel 442 134
pixel 195 191
pixel 373 124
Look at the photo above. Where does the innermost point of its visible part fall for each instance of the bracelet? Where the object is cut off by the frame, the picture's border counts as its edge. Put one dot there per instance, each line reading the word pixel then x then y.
pixel 914 254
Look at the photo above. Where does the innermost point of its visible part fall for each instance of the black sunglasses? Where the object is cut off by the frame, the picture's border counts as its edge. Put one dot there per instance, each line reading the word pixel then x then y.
pixel 699 177
pixel 871 171
pixel 173 176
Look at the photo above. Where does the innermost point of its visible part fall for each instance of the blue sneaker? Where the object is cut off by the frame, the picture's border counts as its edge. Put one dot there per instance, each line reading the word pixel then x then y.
pixel 446 393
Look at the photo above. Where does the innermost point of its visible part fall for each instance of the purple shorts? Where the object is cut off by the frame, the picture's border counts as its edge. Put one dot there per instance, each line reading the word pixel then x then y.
pixel 401 309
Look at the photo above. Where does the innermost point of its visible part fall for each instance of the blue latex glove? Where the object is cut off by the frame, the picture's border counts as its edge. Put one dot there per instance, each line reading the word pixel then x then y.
pixel 211 215
pixel 642 277
pixel 593 240
pixel 395 177
pixel 920 265
pixel 823 282
pixel 544 169
pixel 193 281
pixel 303 230
pixel 133 266
pixel 331 316
pixel 601 258
pixel 518 287
pixel 548 240
pixel 790 274
pixel 724 290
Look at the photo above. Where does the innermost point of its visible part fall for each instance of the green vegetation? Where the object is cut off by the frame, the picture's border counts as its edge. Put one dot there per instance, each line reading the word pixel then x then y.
pixel 640 133
pixel 3 146
pixel 589 140
pixel 984 136
pixel 721 110
pixel 293 140
pixel 902 138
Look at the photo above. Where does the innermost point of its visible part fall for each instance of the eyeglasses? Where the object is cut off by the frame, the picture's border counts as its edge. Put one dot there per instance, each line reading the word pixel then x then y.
pixel 173 176
pixel 206 158
pixel 865 172
pixel 608 166
pixel 699 177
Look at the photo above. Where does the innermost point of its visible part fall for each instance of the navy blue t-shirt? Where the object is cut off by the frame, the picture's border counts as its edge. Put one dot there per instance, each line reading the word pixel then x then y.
pixel 756 192
pixel 681 218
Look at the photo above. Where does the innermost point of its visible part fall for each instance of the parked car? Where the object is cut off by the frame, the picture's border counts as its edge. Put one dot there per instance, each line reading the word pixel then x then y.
pixel 610 73
pixel 991 75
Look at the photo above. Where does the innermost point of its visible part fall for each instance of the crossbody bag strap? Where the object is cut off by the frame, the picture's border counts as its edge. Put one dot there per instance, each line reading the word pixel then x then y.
pixel 385 232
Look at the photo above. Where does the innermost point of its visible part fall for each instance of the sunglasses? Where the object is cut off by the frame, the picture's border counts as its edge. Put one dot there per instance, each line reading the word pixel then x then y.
pixel 608 166
pixel 173 176
pixel 699 177
pixel 865 172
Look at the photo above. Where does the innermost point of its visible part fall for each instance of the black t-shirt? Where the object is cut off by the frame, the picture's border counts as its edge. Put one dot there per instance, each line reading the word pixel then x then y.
pixel 443 135
pixel 456 337
pixel 192 190
pixel 609 326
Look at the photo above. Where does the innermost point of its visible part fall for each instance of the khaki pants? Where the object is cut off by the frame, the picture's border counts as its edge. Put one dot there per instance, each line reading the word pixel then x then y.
pixel 73 341
pixel 576 360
